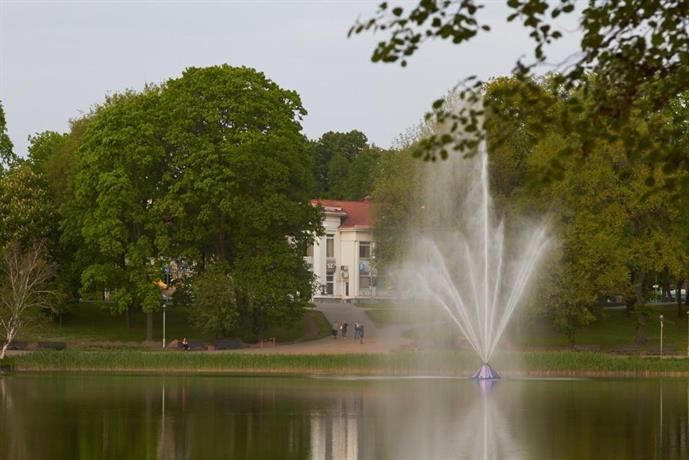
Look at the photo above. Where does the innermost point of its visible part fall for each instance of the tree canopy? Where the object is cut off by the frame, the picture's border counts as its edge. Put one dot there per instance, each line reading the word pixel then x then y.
pixel 207 168
pixel 633 62
pixel 344 165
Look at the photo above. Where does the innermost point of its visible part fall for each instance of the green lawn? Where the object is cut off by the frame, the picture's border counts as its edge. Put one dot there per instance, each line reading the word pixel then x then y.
pixel 382 317
pixel 614 329
pixel 90 322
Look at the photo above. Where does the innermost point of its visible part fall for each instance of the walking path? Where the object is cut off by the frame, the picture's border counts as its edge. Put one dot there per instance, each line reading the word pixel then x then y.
pixel 375 340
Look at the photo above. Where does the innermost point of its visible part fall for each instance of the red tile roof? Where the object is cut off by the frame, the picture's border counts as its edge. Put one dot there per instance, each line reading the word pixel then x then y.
pixel 357 214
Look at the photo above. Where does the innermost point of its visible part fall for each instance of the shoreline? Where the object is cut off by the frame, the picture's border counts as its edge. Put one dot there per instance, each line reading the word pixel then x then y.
pixel 527 364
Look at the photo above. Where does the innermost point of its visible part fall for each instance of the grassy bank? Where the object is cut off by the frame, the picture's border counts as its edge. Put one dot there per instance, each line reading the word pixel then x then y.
pixel 419 363
pixel 612 329
pixel 92 322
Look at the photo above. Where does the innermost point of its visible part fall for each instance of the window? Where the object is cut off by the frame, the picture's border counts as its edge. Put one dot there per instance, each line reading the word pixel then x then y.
pixel 365 250
pixel 329 283
pixel 330 246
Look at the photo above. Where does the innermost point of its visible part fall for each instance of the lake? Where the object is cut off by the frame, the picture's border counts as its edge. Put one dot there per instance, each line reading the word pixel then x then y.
pixel 75 416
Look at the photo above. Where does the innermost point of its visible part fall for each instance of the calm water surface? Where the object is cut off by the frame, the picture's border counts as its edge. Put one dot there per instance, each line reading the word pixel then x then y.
pixel 61 416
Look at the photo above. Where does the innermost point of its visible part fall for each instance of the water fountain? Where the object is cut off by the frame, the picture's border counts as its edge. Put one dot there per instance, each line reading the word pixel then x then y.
pixel 461 259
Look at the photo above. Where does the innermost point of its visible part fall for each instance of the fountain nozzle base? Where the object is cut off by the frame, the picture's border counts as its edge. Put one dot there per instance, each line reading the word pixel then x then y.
pixel 485 372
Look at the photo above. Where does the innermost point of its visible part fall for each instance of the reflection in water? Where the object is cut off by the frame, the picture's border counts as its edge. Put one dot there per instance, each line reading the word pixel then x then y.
pixel 208 417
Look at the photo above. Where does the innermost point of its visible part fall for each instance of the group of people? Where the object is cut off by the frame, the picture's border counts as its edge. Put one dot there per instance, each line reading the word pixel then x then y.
pixel 340 328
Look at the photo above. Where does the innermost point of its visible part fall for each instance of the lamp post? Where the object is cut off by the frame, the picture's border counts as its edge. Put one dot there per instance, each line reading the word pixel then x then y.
pixel 661 336
pixel 163 325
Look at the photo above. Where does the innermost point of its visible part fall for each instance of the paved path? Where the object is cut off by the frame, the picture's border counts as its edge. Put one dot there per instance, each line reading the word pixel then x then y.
pixel 375 340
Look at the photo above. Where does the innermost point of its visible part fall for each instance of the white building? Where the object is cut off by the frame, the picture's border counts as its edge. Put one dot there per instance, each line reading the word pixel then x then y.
pixel 342 258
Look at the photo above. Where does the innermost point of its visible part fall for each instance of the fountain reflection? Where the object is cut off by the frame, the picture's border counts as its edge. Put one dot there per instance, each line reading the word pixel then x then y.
pixel 470 426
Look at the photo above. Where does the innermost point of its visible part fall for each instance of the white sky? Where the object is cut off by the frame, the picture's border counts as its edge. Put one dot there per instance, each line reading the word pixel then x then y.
pixel 58 58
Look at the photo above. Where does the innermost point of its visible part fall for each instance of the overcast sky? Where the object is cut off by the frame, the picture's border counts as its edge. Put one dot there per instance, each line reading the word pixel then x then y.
pixel 58 58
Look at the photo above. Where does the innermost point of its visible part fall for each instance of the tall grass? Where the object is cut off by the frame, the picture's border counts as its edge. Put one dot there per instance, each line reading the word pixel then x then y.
pixel 420 363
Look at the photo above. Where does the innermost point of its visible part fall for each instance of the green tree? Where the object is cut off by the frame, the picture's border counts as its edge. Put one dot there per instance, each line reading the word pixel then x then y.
pixel 26 211
pixel 357 183
pixel 213 307
pixel 237 186
pixel 632 63
pixel 615 230
pixel 7 156
pixel 52 157
pixel 396 193
pixel 332 155
pixel 119 171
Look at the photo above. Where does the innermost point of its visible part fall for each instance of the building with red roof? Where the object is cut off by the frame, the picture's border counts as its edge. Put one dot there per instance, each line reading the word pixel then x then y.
pixel 342 259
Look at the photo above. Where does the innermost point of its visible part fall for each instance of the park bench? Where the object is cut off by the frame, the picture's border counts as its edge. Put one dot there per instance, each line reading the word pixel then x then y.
pixel 667 350
pixel 52 345
pixel 197 345
pixel 270 340
pixel 626 350
pixel 587 348
pixel 227 344
pixel 17 345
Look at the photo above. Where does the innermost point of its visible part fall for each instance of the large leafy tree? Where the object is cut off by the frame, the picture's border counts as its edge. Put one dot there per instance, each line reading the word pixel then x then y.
pixel 52 158
pixel 119 170
pixel 237 186
pixel 615 231
pixel 344 164
pixel 633 62
pixel 7 156
pixel 26 211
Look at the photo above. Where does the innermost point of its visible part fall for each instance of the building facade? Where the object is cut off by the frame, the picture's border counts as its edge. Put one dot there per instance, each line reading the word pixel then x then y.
pixel 342 259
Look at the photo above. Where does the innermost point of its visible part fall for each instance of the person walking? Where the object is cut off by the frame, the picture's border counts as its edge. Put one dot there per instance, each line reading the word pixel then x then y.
pixel 334 330
pixel 344 329
pixel 361 333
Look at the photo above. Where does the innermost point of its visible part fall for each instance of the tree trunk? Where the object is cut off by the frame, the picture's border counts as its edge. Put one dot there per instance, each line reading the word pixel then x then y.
pixel 640 338
pixel 678 293
pixel 639 303
pixel 639 289
pixel 4 350
pixel 149 326
pixel 128 318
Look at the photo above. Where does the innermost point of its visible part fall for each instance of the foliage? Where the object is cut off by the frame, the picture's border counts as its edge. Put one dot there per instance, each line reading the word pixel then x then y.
pixel 633 62
pixel 26 211
pixel 7 156
pixel 52 157
pixel 237 185
pixel 213 308
pixel 24 288
pixel 344 165
pixel 208 167
pixel 119 169
pixel 613 230
pixel 396 187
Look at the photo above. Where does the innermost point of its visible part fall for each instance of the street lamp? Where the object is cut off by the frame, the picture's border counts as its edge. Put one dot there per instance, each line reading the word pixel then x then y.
pixel 687 333
pixel 165 300
pixel 661 336
pixel 163 324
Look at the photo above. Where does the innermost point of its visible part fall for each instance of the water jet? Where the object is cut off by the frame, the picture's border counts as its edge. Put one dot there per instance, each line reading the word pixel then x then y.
pixel 462 260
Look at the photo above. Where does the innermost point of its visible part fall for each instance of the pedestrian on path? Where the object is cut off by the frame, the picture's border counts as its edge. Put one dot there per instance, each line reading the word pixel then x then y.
pixel 344 329
pixel 356 330
pixel 334 330
pixel 361 333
